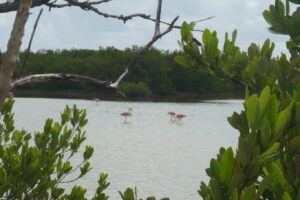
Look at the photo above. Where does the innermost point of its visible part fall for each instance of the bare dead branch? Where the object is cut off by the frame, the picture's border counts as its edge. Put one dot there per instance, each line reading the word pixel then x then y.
pixel 179 27
pixel 205 19
pixel 99 2
pixel 13 5
pixel 138 56
pixel 87 6
pixel 53 4
pixel 11 58
pixel 157 20
pixel 157 35
pixel 39 78
pixel 30 42
pixel 90 6
pixel 121 94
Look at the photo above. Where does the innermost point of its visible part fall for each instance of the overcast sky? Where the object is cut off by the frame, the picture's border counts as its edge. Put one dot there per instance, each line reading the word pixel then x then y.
pixel 75 28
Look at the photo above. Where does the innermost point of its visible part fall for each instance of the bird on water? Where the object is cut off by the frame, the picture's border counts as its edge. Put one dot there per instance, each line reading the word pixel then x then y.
pixel 172 115
pixel 179 117
pixel 127 114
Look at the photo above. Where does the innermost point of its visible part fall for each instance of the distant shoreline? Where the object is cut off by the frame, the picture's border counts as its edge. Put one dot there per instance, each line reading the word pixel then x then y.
pixel 74 94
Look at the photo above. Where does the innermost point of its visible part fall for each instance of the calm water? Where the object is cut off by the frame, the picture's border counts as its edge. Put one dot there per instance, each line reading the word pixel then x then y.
pixel 161 158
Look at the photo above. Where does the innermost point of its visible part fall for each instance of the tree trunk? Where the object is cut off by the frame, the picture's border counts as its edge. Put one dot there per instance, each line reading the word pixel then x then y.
pixel 11 57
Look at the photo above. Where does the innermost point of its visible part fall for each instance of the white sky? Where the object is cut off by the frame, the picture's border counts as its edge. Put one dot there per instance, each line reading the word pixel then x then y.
pixel 75 28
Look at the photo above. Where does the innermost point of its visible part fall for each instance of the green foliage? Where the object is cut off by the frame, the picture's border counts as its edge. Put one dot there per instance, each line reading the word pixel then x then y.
pixel 255 68
pixel 102 186
pixel 266 163
pixel 262 127
pixel 33 166
pixel 135 90
pixel 278 16
pixel 129 194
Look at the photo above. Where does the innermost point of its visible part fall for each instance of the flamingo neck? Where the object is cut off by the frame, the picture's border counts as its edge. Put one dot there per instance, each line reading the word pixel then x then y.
pixel 130 111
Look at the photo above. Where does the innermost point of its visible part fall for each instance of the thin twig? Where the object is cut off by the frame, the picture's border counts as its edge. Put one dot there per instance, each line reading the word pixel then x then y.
pixel 179 27
pixel 30 42
pixel 157 21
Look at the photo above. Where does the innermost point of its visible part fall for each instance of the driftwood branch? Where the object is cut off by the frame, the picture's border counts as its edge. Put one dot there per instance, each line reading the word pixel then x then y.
pixel 39 78
pixel 11 57
pixel 30 42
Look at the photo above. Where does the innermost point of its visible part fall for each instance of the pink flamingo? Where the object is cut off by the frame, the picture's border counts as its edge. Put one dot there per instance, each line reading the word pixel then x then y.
pixel 127 114
pixel 97 100
pixel 172 115
pixel 179 117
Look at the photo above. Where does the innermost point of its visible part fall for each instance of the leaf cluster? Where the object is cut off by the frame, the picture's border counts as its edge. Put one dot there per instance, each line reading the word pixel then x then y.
pixel 266 162
pixel 35 166
pixel 254 68
pixel 130 194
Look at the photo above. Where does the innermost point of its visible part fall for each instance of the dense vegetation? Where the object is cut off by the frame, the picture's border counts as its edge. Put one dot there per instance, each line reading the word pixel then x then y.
pixel 266 163
pixel 155 75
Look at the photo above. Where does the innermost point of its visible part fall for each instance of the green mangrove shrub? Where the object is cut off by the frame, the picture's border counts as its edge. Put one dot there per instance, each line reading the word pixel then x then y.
pixel 135 90
pixel 34 166
pixel 37 165
pixel 266 162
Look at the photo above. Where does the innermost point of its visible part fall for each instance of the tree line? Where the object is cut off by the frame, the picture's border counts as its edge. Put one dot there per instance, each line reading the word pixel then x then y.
pixel 157 74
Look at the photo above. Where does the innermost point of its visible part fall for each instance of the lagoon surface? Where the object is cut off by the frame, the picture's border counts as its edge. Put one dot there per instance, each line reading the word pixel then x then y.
pixel 161 158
